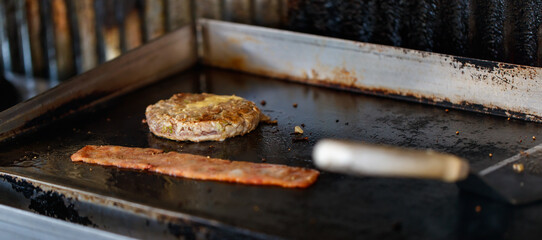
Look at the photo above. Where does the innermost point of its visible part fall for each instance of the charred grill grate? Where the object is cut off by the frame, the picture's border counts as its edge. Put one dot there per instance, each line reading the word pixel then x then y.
pixel 498 30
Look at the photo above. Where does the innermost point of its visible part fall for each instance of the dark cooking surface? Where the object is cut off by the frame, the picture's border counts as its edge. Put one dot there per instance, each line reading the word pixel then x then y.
pixel 9 95
pixel 336 206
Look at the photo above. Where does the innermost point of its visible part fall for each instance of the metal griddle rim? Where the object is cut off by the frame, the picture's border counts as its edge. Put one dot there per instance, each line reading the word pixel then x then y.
pixel 131 207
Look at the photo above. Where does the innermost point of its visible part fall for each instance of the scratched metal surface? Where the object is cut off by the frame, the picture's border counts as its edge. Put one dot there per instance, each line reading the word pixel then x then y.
pixel 336 206
pixel 445 80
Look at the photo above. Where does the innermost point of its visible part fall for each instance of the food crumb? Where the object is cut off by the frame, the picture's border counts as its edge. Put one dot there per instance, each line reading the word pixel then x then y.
pixel 264 160
pixel 302 125
pixel 456 132
pixel 534 138
pixel 89 132
pixel 478 208
pixel 298 130
pixel 446 110
pixel 518 167
pixel 267 120
pixel 270 122
pixel 300 139
pixel 143 120
pixel 295 105
pixel 490 154
pixel 508 119
pixel 208 156
pixel 263 102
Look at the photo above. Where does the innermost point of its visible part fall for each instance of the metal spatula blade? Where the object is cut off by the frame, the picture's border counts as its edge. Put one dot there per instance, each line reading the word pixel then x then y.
pixel 519 184
pixel 499 181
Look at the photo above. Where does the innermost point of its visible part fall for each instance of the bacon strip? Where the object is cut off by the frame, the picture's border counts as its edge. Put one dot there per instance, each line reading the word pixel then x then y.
pixel 197 167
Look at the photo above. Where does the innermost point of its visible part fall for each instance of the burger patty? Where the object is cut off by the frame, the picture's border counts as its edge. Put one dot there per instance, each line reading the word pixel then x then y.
pixel 202 117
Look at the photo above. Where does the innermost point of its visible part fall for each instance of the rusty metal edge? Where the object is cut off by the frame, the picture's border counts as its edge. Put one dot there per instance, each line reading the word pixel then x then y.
pixel 488 87
pixel 157 214
pixel 166 55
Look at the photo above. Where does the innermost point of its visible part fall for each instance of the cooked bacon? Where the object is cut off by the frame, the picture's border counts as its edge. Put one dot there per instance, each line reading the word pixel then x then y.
pixel 197 167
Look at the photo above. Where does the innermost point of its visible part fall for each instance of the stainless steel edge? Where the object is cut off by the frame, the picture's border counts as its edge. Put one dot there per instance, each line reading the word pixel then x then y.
pixel 171 53
pixel 73 196
pixel 20 224
pixel 471 84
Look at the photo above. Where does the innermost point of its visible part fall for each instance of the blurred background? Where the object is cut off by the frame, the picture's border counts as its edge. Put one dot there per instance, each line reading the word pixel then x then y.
pixel 45 42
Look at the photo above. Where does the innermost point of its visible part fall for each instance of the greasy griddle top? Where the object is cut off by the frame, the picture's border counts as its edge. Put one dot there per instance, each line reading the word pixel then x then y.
pixel 336 206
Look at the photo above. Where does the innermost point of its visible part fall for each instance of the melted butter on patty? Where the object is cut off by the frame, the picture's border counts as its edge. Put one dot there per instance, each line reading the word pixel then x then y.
pixel 211 101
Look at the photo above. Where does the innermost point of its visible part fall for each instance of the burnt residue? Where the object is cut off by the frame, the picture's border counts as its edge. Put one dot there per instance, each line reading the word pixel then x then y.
pixel 490 66
pixel 57 205
pixel 525 27
pixel 356 20
pixel 421 24
pixel 495 30
pixel 330 16
pixel 28 159
pixel 489 38
pixel 388 22
pixel 48 203
pixel 323 15
pixel 297 17
pixel 23 187
pixel 462 106
pixel 467 106
pixel 52 204
pixel 300 16
pixel 452 35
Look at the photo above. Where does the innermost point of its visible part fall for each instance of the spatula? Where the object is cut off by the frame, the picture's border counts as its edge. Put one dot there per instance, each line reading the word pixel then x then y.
pixel 516 180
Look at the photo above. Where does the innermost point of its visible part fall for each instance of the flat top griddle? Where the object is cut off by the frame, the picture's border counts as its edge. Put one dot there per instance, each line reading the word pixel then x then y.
pixel 336 206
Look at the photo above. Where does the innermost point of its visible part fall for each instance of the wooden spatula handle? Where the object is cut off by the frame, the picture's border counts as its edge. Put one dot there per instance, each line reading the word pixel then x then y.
pixel 386 161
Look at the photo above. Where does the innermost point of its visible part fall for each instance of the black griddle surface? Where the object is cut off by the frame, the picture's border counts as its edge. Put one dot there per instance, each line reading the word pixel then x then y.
pixel 336 206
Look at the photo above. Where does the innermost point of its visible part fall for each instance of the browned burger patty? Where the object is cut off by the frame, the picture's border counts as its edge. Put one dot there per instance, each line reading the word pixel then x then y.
pixel 202 117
